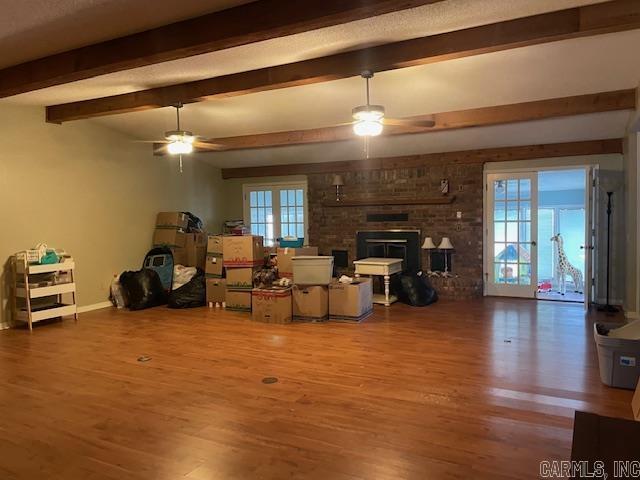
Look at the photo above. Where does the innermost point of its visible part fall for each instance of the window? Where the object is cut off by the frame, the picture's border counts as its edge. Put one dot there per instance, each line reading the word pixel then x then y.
pixel 276 210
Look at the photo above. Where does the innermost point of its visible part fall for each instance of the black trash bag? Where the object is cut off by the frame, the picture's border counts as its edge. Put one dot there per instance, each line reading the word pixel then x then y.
pixel 415 290
pixel 194 224
pixel 143 289
pixel 192 294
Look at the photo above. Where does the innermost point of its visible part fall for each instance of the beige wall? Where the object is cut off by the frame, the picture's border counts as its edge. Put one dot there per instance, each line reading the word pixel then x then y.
pixel 93 192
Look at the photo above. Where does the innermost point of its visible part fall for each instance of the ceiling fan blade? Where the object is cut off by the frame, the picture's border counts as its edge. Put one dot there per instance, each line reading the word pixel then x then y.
pixel 204 145
pixel 408 122
pixel 150 141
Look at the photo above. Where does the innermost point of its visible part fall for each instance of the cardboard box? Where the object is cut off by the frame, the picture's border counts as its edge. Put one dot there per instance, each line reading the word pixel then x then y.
pixel 169 237
pixel 285 265
pixel 238 300
pixel 195 256
pixel 214 245
pixel 241 278
pixel 195 240
pixel 216 290
pixel 635 403
pixel 310 303
pixel 271 305
pixel 171 220
pixel 242 251
pixel 213 266
pixel 350 301
pixel 179 255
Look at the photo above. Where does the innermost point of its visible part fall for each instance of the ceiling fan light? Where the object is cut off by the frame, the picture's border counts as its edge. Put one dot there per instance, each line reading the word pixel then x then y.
pixel 180 147
pixel 371 113
pixel 367 128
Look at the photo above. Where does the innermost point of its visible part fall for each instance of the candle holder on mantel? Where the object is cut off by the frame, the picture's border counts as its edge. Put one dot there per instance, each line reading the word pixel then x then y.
pixel 338 182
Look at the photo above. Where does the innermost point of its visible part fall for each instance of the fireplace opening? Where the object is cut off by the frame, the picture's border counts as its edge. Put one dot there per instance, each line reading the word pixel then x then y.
pixel 403 244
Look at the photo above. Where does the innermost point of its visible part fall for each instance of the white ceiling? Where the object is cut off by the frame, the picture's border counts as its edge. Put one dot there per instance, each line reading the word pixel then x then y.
pixel 570 67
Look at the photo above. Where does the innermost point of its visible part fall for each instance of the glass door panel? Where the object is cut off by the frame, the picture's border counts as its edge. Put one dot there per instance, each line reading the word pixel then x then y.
pixel 512 226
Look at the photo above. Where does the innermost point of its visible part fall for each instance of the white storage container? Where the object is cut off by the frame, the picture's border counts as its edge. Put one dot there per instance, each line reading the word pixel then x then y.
pixel 310 270
pixel 618 357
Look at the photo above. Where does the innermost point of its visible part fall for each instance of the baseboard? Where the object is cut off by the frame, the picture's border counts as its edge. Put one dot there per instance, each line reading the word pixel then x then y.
pixel 612 301
pixel 95 306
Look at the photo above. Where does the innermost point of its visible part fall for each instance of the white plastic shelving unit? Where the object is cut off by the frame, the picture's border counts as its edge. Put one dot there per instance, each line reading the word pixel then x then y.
pixel 24 290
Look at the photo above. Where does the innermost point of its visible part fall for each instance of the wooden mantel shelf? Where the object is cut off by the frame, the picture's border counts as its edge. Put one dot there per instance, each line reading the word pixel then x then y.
pixel 372 202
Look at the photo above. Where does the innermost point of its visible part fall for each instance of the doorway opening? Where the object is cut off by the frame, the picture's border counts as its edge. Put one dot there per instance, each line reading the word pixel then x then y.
pixel 561 235
pixel 540 233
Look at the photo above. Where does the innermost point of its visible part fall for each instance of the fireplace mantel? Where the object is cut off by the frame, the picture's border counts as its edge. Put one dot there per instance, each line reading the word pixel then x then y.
pixel 374 202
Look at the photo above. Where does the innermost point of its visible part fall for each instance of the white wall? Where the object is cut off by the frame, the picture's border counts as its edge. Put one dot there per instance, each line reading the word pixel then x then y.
pixel 92 191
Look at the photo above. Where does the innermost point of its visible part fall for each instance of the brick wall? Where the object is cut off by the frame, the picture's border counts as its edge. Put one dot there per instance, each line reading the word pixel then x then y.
pixel 335 227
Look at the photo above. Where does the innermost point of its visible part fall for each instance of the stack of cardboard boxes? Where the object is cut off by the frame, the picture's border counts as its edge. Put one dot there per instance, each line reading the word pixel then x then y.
pixel 214 272
pixel 242 256
pixel 188 248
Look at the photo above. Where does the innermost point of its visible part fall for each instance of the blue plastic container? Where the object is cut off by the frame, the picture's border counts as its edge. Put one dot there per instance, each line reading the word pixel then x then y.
pixel 291 243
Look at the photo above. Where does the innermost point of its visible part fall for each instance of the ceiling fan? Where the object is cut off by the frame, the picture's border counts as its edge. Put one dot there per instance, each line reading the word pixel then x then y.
pixel 182 142
pixel 369 120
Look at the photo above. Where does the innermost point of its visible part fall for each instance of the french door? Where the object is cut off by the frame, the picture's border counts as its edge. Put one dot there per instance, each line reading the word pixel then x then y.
pixel 589 247
pixel 511 260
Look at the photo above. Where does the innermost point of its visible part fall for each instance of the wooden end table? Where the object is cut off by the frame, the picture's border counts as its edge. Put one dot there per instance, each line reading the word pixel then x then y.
pixel 384 267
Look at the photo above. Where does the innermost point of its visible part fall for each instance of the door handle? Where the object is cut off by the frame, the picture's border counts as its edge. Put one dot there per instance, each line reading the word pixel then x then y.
pixel 588 247
pixel 534 243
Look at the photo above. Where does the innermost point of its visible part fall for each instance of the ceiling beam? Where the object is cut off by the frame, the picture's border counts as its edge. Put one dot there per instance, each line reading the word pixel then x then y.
pixel 593 147
pixel 253 22
pixel 476 117
pixel 595 19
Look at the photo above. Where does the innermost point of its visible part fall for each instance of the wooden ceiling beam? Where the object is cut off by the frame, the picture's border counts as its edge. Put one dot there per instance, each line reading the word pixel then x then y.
pixel 249 23
pixel 617 15
pixel 593 147
pixel 477 117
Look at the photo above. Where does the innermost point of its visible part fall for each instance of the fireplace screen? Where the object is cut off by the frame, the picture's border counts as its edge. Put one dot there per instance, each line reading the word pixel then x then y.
pixel 404 244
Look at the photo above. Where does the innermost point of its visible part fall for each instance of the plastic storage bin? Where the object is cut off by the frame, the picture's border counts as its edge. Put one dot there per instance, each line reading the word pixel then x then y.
pixel 618 358
pixel 291 243
pixel 311 270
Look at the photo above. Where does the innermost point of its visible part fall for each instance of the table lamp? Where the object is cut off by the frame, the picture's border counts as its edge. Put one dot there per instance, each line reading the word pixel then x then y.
pixel 429 245
pixel 445 245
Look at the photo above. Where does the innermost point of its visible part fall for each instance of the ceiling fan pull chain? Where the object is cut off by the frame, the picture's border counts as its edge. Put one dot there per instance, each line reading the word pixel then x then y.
pixel 180 163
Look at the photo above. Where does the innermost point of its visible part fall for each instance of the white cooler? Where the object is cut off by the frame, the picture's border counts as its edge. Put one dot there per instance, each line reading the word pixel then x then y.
pixel 310 270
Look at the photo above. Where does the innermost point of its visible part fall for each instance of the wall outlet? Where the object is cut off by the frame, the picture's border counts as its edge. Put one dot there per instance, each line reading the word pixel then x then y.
pixel 460 188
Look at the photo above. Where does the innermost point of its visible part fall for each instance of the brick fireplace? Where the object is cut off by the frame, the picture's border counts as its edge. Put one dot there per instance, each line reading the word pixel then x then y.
pixel 336 227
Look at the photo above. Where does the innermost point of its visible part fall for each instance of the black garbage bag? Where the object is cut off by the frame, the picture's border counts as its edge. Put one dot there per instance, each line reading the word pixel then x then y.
pixel 194 224
pixel 143 289
pixel 191 294
pixel 416 290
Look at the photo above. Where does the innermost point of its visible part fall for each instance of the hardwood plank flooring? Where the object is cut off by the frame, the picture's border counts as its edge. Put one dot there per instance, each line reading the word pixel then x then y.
pixel 482 389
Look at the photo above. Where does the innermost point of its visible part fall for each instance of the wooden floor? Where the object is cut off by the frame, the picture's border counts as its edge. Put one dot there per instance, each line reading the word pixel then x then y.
pixel 468 390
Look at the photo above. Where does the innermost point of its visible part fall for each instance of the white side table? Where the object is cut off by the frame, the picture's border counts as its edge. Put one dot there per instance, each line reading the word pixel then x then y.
pixel 384 267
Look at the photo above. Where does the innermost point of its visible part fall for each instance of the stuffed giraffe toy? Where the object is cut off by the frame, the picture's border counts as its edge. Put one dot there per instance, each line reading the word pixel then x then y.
pixel 564 267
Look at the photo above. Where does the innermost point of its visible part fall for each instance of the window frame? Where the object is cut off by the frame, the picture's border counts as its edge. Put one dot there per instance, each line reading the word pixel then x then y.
pixel 275 188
